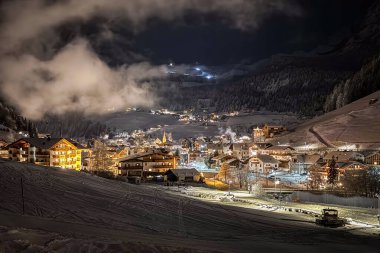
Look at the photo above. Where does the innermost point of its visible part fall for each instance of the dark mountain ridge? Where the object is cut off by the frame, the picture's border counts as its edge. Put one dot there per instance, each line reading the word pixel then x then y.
pixel 300 83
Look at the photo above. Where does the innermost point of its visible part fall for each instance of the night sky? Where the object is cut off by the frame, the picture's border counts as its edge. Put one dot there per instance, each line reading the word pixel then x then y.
pixel 207 39
pixel 95 55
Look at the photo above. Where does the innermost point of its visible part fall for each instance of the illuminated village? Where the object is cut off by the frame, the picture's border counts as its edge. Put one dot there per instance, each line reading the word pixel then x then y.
pixel 243 162
pixel 189 126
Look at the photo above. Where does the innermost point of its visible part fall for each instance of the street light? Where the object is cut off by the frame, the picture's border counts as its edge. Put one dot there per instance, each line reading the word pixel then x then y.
pixel 229 187
pixel 378 207
pixel 276 182
pixel 275 179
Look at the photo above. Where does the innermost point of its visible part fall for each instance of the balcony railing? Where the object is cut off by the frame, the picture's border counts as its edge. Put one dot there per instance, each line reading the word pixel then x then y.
pixel 131 168
pixel 162 166
pixel 42 155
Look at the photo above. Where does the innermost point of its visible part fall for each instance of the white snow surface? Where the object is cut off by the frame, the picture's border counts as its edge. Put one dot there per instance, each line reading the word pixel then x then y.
pixel 69 211
pixel 355 123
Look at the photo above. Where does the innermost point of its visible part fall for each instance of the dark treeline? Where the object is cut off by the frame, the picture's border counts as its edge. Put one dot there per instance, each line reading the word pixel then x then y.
pixel 73 125
pixel 69 125
pixel 362 83
pixel 307 91
pixel 10 118
pixel 292 89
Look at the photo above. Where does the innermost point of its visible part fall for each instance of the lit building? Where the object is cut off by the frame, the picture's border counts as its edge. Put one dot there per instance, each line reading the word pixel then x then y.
pixel 373 158
pixel 3 149
pixel 258 135
pixel 55 152
pixel 270 131
pixel 151 161
pixel 263 164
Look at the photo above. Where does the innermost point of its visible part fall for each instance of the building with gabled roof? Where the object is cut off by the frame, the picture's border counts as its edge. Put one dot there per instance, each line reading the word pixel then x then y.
pixel 151 161
pixel 240 150
pixel 55 152
pixel 263 164
pixel 301 163
pixel 184 175
pixel 373 158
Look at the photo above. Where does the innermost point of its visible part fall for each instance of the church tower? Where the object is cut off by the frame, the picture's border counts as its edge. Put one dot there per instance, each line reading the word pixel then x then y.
pixel 164 138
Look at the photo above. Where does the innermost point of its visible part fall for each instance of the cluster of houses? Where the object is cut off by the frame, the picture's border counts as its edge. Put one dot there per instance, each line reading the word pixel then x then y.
pixel 222 157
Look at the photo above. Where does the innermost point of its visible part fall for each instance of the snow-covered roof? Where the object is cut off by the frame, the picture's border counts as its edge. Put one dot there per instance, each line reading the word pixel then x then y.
pixel 262 145
pixel 142 155
pixel 280 148
pixel 341 155
pixel 214 146
pixel 353 163
pixel 219 157
pixel 229 161
pixel 46 143
pixel 239 146
pixel 183 172
pixel 308 159
pixel 267 159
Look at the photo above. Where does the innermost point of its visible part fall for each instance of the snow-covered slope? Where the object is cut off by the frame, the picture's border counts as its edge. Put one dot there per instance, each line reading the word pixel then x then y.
pixel 355 123
pixel 69 211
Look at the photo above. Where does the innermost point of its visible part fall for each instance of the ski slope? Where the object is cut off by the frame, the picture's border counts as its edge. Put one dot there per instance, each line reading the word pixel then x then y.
pixel 69 211
pixel 357 123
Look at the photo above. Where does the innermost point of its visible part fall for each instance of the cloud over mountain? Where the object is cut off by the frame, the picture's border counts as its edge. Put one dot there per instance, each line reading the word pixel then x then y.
pixel 38 78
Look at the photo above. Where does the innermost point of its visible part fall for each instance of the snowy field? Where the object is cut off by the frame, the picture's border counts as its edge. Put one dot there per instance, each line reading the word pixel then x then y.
pixel 260 119
pixel 355 123
pixel 133 120
pixel 69 211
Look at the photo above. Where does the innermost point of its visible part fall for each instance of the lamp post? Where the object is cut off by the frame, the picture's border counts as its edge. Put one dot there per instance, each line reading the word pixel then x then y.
pixel 275 178
pixel 378 208
pixel 276 182
pixel 229 187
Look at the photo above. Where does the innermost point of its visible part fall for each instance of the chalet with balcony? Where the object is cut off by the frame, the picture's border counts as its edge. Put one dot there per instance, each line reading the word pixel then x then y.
pixel 54 152
pixel 258 135
pixel 219 160
pixel 319 172
pixel 240 150
pixel 3 149
pixel 155 161
pixel 258 148
pixel 272 130
pixel 373 158
pixel 213 148
pixel 280 153
pixel 263 164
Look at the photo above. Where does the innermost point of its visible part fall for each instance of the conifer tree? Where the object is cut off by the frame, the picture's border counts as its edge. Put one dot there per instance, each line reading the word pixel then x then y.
pixel 332 174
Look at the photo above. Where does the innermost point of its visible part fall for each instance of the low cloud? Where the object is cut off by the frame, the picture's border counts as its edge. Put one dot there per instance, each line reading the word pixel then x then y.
pixel 38 78
pixel 74 80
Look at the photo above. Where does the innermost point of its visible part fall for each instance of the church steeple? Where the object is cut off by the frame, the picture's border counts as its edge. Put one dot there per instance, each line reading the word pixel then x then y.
pixel 164 137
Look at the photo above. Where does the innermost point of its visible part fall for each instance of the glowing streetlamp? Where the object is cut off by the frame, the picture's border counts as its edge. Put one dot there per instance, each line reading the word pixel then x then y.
pixel 378 207
pixel 276 182
pixel 229 187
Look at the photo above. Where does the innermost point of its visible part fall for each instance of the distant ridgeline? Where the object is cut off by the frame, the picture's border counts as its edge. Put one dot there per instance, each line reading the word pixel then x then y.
pixel 307 84
pixel 307 90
